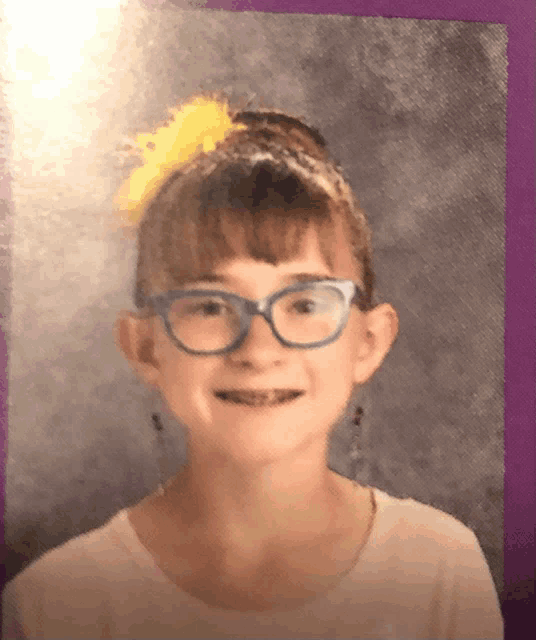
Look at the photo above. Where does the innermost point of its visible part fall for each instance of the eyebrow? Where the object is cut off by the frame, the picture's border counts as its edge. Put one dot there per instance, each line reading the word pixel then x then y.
pixel 229 280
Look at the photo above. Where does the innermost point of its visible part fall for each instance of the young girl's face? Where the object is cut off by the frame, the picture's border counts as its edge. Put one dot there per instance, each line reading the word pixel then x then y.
pixel 326 375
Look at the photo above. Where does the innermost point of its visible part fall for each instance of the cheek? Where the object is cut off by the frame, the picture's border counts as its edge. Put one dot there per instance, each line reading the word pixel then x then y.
pixel 355 334
pixel 340 361
pixel 333 368
pixel 332 386
pixel 171 369
pixel 184 384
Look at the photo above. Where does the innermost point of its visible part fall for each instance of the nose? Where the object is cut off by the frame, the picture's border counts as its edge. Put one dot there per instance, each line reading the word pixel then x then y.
pixel 260 331
pixel 260 339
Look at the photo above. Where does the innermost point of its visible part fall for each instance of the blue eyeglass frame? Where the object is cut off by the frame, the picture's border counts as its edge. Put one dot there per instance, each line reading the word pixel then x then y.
pixel 247 308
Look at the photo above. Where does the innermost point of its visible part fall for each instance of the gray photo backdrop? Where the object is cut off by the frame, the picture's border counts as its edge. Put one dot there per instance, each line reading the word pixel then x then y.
pixel 415 112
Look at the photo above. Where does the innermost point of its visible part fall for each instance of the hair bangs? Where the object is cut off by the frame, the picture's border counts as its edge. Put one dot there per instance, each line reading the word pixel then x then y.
pixel 225 234
pixel 261 212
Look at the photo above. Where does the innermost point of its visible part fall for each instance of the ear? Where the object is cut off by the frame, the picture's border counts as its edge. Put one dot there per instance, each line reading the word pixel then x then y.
pixel 380 329
pixel 135 338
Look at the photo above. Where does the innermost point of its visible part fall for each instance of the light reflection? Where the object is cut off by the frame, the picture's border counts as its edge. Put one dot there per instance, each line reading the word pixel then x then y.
pixel 56 54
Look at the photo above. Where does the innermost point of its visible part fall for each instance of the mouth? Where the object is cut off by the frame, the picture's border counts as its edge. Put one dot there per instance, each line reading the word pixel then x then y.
pixel 259 398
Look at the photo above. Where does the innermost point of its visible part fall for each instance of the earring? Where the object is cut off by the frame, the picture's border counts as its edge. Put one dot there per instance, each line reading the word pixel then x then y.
pixel 358 416
pixel 157 423
pixel 356 451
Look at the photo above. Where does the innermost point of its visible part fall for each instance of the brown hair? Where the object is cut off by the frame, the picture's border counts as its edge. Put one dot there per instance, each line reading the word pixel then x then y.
pixel 270 181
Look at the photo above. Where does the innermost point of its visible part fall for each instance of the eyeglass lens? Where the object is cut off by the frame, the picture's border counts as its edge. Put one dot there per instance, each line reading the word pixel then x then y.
pixel 212 322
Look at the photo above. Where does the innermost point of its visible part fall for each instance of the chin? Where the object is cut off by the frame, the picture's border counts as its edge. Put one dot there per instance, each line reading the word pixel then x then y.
pixel 269 446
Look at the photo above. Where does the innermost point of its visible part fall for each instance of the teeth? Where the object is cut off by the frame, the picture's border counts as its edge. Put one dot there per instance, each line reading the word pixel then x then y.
pixel 255 398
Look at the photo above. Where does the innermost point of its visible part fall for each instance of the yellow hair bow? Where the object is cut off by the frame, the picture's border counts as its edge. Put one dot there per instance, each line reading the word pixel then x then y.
pixel 196 127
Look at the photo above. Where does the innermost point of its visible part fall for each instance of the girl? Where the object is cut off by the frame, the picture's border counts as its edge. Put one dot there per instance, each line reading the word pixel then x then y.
pixel 255 323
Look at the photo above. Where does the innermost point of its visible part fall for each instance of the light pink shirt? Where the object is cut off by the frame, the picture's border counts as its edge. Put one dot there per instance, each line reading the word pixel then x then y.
pixel 422 574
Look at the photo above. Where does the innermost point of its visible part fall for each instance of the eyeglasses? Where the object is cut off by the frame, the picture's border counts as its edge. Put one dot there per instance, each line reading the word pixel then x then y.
pixel 212 322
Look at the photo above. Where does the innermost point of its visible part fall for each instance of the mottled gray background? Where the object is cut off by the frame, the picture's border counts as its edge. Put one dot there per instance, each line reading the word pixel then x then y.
pixel 415 111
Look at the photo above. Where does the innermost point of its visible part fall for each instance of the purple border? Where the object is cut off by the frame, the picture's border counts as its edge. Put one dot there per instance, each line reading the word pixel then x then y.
pixel 520 286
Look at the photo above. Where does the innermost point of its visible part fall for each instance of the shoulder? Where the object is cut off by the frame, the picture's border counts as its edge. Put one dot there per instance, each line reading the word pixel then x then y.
pixel 71 582
pixel 79 561
pixel 418 543
pixel 430 559
pixel 422 528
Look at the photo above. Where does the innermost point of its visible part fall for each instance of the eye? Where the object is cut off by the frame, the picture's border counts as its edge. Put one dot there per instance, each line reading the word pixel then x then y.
pixel 306 306
pixel 306 303
pixel 204 307
pixel 207 308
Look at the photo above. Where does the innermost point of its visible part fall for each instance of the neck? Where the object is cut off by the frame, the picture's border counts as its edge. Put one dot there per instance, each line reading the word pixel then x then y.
pixel 246 509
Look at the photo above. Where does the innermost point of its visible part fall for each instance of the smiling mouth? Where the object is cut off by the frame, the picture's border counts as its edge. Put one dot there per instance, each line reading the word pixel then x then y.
pixel 259 398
